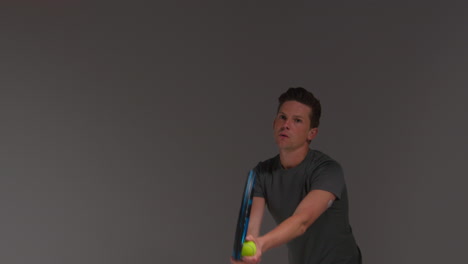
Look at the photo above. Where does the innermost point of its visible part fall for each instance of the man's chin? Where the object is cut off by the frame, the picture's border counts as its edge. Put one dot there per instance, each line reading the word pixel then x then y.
pixel 285 147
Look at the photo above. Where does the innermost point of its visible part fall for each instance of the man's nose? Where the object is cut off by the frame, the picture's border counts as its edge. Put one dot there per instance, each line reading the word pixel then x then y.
pixel 286 124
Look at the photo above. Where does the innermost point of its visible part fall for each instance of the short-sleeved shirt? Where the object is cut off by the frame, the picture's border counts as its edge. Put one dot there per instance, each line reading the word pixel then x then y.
pixel 329 239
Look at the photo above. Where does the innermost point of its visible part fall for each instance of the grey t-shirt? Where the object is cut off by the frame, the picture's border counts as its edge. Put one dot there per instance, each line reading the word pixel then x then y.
pixel 329 239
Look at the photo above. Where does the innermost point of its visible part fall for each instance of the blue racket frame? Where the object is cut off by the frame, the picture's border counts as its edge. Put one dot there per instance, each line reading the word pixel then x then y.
pixel 244 216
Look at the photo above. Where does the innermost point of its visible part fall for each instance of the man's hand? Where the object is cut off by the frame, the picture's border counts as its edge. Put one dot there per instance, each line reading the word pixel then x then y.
pixel 251 259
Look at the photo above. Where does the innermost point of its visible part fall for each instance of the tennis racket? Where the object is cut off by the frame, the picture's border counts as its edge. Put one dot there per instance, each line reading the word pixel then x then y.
pixel 244 215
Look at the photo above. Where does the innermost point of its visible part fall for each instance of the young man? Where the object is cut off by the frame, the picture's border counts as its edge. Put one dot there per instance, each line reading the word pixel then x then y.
pixel 304 190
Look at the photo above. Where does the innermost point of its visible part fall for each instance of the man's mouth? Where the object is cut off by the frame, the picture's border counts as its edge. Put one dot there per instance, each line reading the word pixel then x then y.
pixel 283 135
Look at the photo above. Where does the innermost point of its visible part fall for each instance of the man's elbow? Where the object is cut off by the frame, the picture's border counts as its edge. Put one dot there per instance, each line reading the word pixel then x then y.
pixel 304 225
pixel 302 229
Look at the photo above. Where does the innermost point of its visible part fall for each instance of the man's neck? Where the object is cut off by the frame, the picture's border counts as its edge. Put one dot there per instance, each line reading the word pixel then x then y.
pixel 290 159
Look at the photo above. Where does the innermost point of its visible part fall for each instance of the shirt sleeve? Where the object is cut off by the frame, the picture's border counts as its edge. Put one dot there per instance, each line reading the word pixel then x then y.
pixel 328 177
pixel 259 182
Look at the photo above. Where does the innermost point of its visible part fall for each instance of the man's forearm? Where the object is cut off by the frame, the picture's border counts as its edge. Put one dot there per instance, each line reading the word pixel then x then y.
pixel 256 216
pixel 310 208
pixel 289 229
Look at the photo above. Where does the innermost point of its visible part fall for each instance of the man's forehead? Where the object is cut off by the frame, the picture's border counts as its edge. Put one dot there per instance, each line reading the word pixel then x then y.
pixel 295 108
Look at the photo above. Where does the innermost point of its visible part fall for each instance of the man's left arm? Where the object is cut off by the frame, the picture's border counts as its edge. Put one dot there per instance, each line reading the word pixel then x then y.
pixel 309 209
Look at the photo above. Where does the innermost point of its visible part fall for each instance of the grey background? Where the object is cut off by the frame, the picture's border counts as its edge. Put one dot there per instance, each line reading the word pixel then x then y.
pixel 127 129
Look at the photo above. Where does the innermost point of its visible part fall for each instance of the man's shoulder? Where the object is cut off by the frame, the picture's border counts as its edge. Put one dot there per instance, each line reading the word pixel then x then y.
pixel 267 165
pixel 318 158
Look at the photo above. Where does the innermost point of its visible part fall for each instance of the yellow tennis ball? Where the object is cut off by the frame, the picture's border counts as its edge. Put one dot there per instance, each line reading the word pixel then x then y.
pixel 248 249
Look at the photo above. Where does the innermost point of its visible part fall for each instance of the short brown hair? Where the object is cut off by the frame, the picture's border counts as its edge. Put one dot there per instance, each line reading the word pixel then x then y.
pixel 303 96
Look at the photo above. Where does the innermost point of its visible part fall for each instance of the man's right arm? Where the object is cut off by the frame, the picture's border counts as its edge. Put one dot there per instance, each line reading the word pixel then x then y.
pixel 256 216
pixel 255 222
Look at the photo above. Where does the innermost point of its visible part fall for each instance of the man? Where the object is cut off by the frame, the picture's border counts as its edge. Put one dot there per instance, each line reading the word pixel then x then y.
pixel 304 191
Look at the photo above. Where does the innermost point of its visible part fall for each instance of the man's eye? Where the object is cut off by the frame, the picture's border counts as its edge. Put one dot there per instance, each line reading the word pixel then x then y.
pixel 282 117
pixel 298 120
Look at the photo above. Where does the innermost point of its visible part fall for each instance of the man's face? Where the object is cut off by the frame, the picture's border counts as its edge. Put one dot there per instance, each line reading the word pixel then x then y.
pixel 292 126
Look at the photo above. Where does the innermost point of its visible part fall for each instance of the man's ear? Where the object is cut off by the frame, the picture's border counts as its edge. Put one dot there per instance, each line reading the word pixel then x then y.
pixel 312 133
